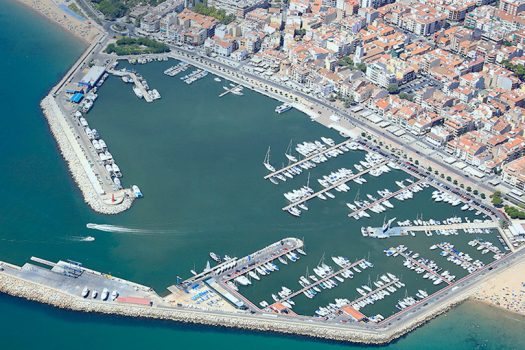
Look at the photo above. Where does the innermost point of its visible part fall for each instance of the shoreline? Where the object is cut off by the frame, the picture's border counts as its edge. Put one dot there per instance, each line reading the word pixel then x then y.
pixel 32 291
pixel 86 30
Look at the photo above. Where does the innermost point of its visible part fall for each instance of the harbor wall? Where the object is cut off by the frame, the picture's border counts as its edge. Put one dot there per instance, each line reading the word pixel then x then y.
pixel 78 164
pixel 30 290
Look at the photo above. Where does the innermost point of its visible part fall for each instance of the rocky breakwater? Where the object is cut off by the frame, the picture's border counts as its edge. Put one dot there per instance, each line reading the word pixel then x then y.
pixel 357 333
pixel 79 166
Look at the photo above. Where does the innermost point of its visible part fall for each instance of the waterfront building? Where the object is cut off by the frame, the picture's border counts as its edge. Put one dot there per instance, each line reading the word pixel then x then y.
pixel 514 173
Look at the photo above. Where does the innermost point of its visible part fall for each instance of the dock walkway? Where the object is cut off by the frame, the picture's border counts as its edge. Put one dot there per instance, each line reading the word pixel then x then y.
pixel 425 267
pixel 461 226
pixel 314 284
pixel 306 159
pixel 381 200
pixel 454 254
pixel 378 289
pixel 137 82
pixel 331 187
pixel 238 87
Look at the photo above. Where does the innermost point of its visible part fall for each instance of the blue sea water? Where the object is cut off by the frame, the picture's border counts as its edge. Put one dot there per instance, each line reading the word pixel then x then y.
pixel 186 212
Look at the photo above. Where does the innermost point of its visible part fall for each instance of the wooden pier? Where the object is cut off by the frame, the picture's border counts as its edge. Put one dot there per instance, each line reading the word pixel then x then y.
pixel 381 200
pixel 308 158
pixel 314 284
pixel 331 187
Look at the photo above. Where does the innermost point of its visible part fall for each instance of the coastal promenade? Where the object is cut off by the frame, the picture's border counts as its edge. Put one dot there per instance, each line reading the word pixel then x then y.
pixel 321 111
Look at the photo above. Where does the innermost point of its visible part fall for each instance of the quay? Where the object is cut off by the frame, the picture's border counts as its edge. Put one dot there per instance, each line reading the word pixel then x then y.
pixel 334 185
pixel 462 226
pixel 381 200
pixel 236 267
pixel 321 280
pixel 306 159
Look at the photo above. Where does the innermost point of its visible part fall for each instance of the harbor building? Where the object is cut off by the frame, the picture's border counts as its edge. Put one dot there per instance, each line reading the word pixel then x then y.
pixel 92 77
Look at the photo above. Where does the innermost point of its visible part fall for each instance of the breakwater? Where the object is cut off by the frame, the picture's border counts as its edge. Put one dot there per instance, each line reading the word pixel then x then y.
pixel 78 164
pixel 33 291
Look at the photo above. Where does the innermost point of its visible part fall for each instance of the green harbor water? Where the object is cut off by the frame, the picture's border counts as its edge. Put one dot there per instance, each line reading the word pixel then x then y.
pixel 197 158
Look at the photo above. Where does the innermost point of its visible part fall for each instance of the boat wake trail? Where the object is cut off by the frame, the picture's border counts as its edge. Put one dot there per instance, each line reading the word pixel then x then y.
pixel 128 230
pixel 82 239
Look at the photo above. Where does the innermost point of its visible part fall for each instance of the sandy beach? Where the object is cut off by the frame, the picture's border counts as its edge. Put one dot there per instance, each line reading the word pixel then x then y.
pixel 506 290
pixel 85 30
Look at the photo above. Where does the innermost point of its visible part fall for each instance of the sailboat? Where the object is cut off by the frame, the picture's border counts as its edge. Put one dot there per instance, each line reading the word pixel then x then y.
pixel 288 153
pixel 266 161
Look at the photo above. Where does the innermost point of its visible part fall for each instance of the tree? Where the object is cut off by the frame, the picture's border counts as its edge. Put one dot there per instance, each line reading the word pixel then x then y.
pixel 462 185
pixel 405 96
pixel 496 199
pixel 429 169
pixel 469 189
pixel 346 61
pixel 392 88
pixel 482 195
pixel 449 178
pixel 442 175
pixel 417 162
pixel 363 134
pixel 455 182
pixel 361 67
pixel 475 192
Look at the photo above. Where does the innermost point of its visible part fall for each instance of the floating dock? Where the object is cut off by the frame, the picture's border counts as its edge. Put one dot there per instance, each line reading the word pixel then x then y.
pixel 331 187
pixel 306 159
pixel 381 200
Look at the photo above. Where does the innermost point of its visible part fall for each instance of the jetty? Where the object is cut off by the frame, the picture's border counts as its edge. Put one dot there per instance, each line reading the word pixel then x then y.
pixel 423 266
pixel 385 198
pixel 334 185
pixel 237 88
pixel 306 159
pixel 136 81
pixel 321 280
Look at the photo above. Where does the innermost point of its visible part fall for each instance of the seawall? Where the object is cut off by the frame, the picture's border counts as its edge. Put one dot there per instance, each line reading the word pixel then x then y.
pixel 345 333
pixel 78 164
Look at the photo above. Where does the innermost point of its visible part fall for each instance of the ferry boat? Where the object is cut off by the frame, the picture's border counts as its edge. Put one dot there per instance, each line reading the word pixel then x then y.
pixel 283 108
